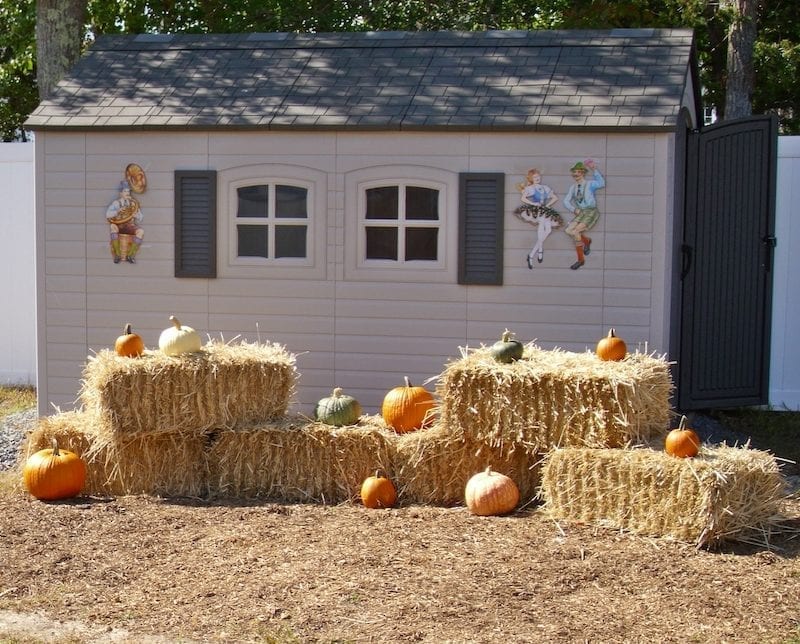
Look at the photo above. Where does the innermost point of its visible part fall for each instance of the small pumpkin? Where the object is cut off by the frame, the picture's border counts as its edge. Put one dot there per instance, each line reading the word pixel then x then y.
pixel 407 407
pixel 179 339
pixel 682 441
pixel 378 492
pixel 611 347
pixel 338 409
pixel 52 474
pixel 129 344
pixel 490 493
pixel 507 349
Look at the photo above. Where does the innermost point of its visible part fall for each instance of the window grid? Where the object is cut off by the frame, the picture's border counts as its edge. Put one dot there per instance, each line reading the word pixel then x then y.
pixel 284 236
pixel 403 226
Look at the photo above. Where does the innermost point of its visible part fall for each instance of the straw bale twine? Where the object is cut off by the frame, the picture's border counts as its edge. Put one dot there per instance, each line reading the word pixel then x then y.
pixel 555 398
pixel 292 459
pixel 433 466
pixel 725 493
pixel 159 465
pixel 221 386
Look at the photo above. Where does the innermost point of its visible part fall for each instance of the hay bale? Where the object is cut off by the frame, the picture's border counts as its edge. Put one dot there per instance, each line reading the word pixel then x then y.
pixel 221 386
pixel 433 466
pixel 293 459
pixel 555 399
pixel 158 465
pixel 725 493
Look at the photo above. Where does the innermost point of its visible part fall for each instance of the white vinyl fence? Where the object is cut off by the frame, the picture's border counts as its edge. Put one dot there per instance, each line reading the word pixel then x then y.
pixel 18 284
pixel 17 265
pixel 784 377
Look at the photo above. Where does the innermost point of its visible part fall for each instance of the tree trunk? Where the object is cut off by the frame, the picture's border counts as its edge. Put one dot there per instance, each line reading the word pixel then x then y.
pixel 740 80
pixel 59 36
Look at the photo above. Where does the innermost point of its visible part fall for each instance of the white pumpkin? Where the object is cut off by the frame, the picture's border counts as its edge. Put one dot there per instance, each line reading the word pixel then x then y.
pixel 179 339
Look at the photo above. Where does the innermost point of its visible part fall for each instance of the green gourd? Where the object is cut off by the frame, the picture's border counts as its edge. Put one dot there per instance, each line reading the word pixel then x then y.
pixel 506 349
pixel 338 409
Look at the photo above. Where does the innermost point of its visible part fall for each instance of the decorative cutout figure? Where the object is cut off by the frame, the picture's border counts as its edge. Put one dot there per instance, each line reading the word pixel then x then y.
pixel 536 210
pixel 124 217
pixel 581 202
pixel 136 178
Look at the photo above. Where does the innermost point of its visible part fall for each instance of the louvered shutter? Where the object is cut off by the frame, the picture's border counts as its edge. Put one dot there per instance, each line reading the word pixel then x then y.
pixel 480 228
pixel 195 223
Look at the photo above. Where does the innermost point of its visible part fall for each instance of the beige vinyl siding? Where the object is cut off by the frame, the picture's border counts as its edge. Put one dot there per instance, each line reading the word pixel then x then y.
pixel 363 331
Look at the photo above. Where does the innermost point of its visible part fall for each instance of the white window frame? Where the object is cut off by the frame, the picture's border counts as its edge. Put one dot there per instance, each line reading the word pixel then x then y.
pixel 358 267
pixel 313 181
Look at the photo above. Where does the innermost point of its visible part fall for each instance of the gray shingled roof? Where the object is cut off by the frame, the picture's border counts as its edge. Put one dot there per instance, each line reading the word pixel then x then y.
pixel 520 80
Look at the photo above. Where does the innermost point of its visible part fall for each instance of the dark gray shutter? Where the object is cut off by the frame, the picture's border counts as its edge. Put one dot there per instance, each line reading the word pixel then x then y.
pixel 195 223
pixel 480 228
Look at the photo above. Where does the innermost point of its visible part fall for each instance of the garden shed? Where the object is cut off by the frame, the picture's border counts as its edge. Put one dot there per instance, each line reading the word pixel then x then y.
pixel 362 198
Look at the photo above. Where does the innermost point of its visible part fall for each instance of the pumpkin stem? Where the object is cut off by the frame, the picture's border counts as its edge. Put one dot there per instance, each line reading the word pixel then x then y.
pixel 488 470
pixel 682 424
pixel 506 335
pixel 54 443
pixel 337 391
pixel 128 329
pixel 175 321
pixel 612 333
pixel 408 382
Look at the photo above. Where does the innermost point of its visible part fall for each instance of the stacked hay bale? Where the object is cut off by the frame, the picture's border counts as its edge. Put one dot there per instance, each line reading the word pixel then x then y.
pixel 724 493
pixel 510 415
pixel 556 398
pixel 296 459
pixel 215 423
pixel 567 426
pixel 146 422
pixel 591 434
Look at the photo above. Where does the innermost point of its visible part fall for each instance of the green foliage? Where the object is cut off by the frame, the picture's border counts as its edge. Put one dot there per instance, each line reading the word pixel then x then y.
pixel 776 54
pixel 18 96
pixel 14 399
pixel 774 431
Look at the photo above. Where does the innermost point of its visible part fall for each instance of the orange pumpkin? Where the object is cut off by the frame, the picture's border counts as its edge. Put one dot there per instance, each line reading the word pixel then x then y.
pixel 406 408
pixel 682 441
pixel 490 493
pixel 378 492
pixel 129 344
pixel 611 347
pixel 52 474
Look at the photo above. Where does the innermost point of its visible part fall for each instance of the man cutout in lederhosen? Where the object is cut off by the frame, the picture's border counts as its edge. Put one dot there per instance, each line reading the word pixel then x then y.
pixel 580 201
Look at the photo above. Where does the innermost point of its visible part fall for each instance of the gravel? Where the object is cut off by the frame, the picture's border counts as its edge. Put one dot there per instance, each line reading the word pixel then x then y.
pixel 13 429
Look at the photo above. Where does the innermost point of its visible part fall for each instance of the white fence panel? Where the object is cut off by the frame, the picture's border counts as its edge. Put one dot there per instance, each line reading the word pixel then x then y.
pixel 784 378
pixel 17 265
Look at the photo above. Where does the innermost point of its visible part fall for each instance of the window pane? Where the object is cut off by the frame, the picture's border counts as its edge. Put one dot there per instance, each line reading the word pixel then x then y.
pixel 252 241
pixel 421 243
pixel 290 201
pixel 290 241
pixel 382 203
pixel 252 201
pixel 381 243
pixel 422 203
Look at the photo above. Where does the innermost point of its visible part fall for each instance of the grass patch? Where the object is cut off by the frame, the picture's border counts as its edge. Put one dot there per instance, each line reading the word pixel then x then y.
pixel 775 431
pixel 16 398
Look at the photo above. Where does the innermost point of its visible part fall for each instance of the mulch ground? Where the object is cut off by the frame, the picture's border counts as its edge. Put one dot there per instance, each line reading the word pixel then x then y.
pixel 134 568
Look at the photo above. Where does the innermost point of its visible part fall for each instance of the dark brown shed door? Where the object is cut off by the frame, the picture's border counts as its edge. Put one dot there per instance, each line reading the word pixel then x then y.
pixel 726 262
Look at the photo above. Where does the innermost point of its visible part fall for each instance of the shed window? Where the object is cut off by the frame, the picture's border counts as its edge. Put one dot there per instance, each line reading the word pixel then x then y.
pixel 272 221
pixel 402 223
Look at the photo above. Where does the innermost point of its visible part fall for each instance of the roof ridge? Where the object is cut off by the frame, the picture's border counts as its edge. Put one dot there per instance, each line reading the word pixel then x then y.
pixel 391 38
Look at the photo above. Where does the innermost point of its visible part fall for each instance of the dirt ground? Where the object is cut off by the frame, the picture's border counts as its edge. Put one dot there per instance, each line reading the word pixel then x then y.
pixel 138 569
